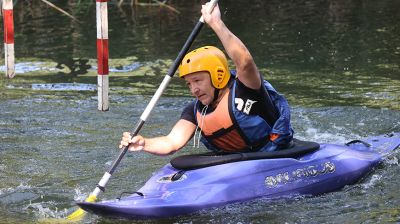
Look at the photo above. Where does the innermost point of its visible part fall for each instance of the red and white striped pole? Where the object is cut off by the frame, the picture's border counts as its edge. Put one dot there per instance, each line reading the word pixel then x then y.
pixel 8 21
pixel 102 54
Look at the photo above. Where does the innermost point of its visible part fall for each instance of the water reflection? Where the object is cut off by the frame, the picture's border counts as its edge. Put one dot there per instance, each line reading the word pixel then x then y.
pixel 331 35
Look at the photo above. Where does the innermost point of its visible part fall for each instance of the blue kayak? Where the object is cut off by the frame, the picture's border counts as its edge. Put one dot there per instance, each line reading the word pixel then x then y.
pixel 194 182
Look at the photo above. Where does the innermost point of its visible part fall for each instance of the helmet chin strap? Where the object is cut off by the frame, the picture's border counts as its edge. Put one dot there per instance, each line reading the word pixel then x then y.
pixel 216 93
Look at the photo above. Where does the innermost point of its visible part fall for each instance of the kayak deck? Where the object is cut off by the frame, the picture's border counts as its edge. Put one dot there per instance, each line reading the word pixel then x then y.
pixel 171 191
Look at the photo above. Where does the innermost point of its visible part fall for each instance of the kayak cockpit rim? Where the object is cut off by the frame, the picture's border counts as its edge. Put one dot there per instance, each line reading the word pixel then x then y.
pixel 196 161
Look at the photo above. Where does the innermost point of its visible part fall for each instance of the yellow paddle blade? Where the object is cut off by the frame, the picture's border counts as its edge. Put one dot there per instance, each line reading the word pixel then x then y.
pixel 76 215
pixel 80 213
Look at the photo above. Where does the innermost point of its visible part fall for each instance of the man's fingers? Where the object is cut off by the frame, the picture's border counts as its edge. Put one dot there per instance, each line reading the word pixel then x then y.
pixel 124 144
pixel 127 134
pixel 135 144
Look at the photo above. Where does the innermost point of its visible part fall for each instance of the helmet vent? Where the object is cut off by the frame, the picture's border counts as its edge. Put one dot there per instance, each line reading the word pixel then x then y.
pixel 219 74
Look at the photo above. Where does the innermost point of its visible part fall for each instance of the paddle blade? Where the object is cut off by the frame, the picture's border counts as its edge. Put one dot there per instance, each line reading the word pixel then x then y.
pixel 76 215
pixel 80 213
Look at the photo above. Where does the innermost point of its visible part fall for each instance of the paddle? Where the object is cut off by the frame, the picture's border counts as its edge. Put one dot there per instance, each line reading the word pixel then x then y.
pixel 78 214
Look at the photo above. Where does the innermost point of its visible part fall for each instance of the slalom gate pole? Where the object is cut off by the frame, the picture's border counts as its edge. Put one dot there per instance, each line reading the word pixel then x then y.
pixel 102 55
pixel 8 21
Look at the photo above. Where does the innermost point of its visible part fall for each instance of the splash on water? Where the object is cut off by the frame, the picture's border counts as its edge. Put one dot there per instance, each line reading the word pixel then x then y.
pixel 321 136
pixel 392 160
pixel 126 68
pixel 374 180
pixel 20 187
pixel 25 67
pixel 42 210
pixel 65 87
pixel 79 196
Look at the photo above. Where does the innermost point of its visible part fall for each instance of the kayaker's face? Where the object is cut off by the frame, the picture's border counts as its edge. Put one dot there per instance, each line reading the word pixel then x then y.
pixel 200 86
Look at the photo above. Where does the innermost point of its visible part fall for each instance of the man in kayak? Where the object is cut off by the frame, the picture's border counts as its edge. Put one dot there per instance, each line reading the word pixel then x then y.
pixel 234 111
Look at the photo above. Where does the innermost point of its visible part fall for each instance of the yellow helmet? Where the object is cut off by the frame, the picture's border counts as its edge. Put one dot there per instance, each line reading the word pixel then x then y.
pixel 209 59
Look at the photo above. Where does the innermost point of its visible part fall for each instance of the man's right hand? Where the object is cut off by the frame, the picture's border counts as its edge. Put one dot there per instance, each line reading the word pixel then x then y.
pixel 135 144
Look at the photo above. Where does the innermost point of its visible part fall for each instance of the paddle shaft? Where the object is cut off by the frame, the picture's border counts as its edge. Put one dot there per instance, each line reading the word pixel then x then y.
pixel 102 183
pixel 159 91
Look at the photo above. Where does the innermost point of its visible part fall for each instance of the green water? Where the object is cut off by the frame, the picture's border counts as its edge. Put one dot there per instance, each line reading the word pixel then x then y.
pixel 337 62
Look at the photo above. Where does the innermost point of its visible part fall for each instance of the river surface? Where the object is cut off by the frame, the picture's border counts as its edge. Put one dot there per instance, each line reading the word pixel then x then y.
pixel 337 62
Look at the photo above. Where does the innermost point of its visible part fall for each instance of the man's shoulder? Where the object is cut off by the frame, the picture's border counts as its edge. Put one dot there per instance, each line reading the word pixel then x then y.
pixel 188 112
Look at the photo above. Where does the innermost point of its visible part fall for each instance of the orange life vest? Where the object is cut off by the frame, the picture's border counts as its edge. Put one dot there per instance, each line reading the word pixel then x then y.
pixel 219 129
